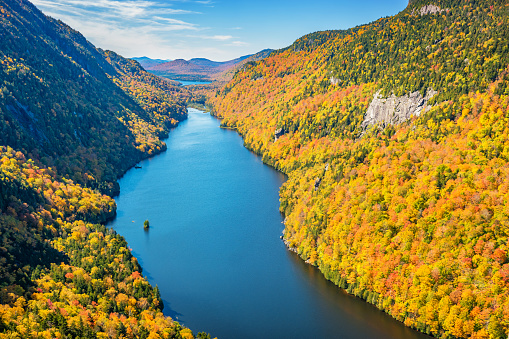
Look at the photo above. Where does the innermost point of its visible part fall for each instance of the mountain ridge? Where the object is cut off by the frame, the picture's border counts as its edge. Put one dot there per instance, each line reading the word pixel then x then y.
pixel 73 118
pixel 201 68
pixel 409 214
pixel 65 60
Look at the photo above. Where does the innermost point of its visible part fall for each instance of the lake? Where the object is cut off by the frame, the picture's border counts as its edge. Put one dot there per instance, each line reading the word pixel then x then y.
pixel 214 250
pixel 186 83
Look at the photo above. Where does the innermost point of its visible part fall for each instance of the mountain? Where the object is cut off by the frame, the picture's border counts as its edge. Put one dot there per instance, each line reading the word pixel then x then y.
pixel 53 105
pixel 202 69
pixel 72 119
pixel 146 62
pixel 394 139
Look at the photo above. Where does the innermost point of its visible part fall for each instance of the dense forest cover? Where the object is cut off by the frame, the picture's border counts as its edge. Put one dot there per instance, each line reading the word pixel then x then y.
pixel 89 113
pixel 72 119
pixel 413 217
pixel 63 274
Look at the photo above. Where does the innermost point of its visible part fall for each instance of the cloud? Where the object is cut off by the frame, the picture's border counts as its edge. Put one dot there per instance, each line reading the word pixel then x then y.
pixel 135 17
pixel 212 37
pixel 238 44
pixel 165 29
pixel 221 37
pixel 127 9
pixel 121 10
pixel 168 24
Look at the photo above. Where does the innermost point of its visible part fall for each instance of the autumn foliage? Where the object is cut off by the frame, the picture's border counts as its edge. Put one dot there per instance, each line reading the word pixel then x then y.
pixel 413 218
pixel 89 113
pixel 79 278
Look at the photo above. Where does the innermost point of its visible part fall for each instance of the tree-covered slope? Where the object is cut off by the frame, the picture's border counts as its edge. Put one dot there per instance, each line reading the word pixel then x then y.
pixel 62 275
pixel 76 118
pixel 413 217
pixel 91 114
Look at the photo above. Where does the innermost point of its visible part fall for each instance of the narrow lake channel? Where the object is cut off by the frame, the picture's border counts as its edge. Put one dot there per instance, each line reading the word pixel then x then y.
pixel 213 246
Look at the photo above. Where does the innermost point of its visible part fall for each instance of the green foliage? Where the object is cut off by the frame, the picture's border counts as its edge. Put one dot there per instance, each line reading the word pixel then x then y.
pixel 79 278
pixel 411 217
pixel 90 114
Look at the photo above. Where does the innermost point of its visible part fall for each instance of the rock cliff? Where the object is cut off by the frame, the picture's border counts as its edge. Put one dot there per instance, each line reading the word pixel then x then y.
pixel 395 110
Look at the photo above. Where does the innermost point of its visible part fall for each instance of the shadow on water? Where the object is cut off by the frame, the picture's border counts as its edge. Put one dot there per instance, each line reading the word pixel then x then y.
pixel 353 308
pixel 168 311
pixel 140 262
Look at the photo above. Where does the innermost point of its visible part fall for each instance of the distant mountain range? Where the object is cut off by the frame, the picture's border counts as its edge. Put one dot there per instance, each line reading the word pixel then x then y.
pixel 146 62
pixel 198 69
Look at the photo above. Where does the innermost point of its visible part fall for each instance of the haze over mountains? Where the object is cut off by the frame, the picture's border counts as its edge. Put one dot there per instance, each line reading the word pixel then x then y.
pixel 198 69
pixel 146 62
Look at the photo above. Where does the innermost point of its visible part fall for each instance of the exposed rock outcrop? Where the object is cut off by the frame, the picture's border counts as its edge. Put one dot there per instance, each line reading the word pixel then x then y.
pixel 318 181
pixel 278 133
pixel 335 81
pixel 27 120
pixel 395 110
pixel 429 9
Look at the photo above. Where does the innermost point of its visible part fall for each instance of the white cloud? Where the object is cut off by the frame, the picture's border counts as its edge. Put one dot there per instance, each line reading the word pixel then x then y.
pixel 238 44
pixel 165 29
pixel 212 37
pixel 221 37
pixel 129 9
pixel 132 10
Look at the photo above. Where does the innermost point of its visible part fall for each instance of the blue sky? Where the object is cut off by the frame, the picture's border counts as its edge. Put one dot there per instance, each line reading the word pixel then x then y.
pixel 215 29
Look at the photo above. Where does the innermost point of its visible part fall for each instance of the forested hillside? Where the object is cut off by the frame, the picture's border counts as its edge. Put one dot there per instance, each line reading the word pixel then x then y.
pixel 90 113
pixel 394 137
pixel 72 119
pixel 61 273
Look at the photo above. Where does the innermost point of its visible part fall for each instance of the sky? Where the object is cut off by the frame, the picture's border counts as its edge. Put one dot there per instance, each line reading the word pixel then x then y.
pixel 219 30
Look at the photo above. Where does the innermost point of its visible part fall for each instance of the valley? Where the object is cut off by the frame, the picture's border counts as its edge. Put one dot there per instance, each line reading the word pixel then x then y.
pixel 390 141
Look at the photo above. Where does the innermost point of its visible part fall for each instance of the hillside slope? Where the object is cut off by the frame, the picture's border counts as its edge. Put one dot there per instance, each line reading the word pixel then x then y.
pixel 90 115
pixel 63 275
pixel 53 105
pixel 147 62
pixel 394 136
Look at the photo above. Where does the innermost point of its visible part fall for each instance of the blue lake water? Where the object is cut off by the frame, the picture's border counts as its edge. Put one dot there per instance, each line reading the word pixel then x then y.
pixel 185 83
pixel 214 250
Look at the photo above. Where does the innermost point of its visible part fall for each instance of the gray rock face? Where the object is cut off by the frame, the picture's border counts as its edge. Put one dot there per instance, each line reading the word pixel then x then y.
pixel 335 81
pixel 28 121
pixel 395 110
pixel 278 133
pixel 429 9
pixel 318 181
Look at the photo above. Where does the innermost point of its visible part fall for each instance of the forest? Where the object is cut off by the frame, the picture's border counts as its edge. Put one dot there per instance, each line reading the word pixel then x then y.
pixel 79 278
pixel 73 118
pixel 412 217
pixel 89 113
